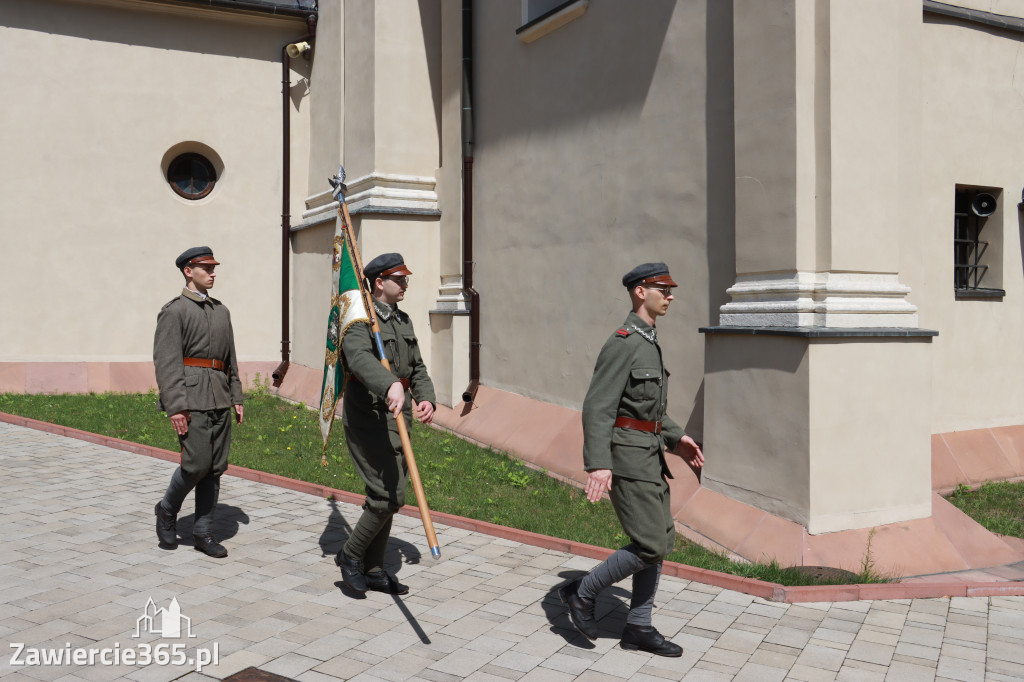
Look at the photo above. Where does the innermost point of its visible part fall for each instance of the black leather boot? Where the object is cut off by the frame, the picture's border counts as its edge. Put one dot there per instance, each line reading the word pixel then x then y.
pixel 208 546
pixel 581 611
pixel 166 527
pixel 650 640
pixel 351 571
pixel 382 581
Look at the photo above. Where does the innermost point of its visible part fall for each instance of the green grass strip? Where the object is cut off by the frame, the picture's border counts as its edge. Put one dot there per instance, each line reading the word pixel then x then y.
pixel 998 506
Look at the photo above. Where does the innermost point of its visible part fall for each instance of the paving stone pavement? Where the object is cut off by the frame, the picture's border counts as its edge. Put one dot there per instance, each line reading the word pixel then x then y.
pixel 80 562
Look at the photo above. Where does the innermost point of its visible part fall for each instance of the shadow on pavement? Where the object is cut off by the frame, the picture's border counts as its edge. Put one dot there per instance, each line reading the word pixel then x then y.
pixel 610 612
pixel 334 535
pixel 227 519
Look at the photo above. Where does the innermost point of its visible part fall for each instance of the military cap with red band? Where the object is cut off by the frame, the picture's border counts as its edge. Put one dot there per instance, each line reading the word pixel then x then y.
pixel 385 265
pixel 648 274
pixel 197 255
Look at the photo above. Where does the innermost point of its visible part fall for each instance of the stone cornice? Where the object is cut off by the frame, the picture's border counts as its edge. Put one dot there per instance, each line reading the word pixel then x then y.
pixel 383 193
pixel 819 299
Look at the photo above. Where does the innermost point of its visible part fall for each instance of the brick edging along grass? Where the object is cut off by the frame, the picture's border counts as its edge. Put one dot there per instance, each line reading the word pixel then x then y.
pixel 751 586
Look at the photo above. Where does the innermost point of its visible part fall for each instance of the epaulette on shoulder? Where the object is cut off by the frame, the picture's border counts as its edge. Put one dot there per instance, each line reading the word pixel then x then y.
pixel 623 333
pixel 168 304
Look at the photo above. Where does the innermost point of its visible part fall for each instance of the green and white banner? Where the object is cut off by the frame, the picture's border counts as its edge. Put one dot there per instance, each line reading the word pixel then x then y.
pixel 347 307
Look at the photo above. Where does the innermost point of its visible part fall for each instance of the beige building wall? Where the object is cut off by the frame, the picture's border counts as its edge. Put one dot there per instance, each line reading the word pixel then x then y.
pixel 97 94
pixel 972 109
pixel 591 157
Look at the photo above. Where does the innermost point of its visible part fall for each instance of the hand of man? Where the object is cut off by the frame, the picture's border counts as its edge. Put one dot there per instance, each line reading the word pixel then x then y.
pixel 180 422
pixel 599 481
pixel 395 397
pixel 238 413
pixel 690 451
pixel 425 412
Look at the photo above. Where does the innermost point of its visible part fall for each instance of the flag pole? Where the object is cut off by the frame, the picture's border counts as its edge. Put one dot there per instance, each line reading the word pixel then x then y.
pixel 403 431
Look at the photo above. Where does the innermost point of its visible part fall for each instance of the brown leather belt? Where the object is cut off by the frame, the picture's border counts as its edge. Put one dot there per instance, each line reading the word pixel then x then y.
pixel 637 425
pixel 206 362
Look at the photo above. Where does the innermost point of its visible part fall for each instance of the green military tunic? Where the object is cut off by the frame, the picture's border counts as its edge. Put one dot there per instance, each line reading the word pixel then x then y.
pixel 371 430
pixel 630 380
pixel 191 326
pixel 364 405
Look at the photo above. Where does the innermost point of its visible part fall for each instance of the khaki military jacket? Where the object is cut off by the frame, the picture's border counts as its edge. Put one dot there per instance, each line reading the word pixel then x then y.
pixel 191 327
pixel 364 403
pixel 629 380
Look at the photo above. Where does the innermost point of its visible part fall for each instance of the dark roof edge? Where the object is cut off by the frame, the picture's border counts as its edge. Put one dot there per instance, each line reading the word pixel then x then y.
pixel 977 16
pixel 291 8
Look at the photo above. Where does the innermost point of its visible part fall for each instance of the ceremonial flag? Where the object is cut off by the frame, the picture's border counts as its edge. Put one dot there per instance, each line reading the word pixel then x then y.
pixel 347 307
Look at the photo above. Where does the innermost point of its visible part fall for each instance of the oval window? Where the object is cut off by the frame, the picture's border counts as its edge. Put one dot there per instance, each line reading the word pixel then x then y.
pixel 191 175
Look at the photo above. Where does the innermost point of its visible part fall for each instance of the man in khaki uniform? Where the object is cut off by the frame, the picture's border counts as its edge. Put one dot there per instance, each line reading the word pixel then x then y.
pixel 625 433
pixel 197 373
pixel 373 396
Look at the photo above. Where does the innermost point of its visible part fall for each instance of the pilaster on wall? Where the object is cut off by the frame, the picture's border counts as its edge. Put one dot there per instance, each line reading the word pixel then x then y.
pixel 818 354
pixel 820 88
pixel 387 106
pixel 449 319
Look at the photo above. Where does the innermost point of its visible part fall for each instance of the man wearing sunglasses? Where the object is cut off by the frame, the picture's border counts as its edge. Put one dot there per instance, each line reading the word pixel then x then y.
pixel 625 433
pixel 372 396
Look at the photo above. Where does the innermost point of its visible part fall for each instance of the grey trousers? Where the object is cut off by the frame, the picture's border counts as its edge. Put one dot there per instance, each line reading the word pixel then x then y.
pixel 204 457
pixel 620 565
pixel 643 509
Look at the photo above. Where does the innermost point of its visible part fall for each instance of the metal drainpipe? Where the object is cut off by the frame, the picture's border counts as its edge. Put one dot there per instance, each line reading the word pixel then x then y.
pixel 286 187
pixel 254 6
pixel 469 395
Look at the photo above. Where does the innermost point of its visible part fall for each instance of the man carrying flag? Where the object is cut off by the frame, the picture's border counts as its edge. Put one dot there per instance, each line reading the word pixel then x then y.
pixel 372 396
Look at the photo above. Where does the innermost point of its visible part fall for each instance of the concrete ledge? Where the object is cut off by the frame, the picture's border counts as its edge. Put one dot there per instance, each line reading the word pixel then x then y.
pixel 822 332
pixel 765 590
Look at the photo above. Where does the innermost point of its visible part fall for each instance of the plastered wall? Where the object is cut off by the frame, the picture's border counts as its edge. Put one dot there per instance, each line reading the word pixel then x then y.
pixel 972 104
pixel 96 95
pixel 591 157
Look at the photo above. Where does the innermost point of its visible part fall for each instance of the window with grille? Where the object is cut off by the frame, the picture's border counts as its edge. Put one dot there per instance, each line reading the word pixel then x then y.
pixel 977 242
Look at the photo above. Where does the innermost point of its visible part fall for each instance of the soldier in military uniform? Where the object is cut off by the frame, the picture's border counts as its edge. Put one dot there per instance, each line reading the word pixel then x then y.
pixel 625 433
pixel 197 373
pixel 372 396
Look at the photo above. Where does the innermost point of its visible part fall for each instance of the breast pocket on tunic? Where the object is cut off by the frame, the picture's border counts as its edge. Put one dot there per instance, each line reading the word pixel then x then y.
pixel 645 383
pixel 390 343
pixel 410 348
